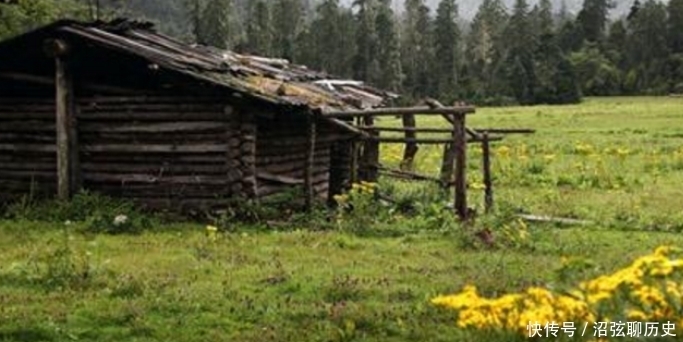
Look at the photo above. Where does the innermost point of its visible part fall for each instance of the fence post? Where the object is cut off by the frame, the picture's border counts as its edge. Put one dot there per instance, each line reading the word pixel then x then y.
pixel 488 182
pixel 67 147
pixel 460 151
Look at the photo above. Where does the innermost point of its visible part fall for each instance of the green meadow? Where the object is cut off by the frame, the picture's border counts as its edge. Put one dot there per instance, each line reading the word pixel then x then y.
pixel 67 273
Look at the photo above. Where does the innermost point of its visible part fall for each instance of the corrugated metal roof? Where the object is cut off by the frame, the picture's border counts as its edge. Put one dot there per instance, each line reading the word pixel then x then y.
pixel 274 80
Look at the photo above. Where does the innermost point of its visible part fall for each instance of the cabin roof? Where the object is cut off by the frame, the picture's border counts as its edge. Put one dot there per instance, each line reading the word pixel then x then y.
pixel 274 80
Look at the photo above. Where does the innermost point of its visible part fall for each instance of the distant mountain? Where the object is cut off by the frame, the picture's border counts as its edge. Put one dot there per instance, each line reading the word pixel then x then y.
pixel 468 8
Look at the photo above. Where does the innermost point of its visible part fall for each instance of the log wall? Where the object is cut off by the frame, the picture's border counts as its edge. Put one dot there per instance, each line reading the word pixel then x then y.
pixel 281 155
pixel 168 152
pixel 28 163
pixel 175 153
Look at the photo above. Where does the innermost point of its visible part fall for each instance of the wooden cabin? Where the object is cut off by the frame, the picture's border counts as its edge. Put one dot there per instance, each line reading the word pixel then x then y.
pixel 119 109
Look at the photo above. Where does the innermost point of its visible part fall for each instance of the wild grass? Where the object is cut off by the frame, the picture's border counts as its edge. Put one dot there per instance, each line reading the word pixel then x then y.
pixel 366 275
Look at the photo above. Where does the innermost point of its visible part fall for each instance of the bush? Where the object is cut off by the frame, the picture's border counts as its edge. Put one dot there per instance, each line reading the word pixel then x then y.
pixel 94 212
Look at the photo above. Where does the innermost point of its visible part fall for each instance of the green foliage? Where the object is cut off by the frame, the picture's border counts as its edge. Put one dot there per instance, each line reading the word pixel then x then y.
pixel 15 18
pixel 91 212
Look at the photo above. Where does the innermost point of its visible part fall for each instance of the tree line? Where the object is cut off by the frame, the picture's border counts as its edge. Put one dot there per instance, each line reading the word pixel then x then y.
pixel 528 54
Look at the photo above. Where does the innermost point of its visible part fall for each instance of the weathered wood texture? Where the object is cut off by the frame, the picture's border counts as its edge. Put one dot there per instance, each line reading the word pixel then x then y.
pixel 28 162
pixel 341 169
pixel 188 153
pixel 282 149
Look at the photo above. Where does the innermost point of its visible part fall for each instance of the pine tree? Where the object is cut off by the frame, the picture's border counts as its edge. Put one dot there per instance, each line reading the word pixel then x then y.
pixel 675 25
pixel 521 74
pixel 389 54
pixel 366 63
pixel 486 45
pixel 287 23
pixel 259 28
pixel 417 48
pixel 446 40
pixel 545 14
pixel 648 47
pixel 593 19
pixel 216 26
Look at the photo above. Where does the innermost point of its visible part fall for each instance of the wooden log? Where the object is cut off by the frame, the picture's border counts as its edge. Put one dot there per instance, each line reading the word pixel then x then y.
pixel 92 138
pixel 299 141
pixel 261 159
pixel 155 158
pixel 150 116
pixel 370 158
pixel 400 111
pixel 355 151
pixel 156 168
pixel 310 161
pixel 142 108
pixel 28 166
pixel 448 163
pixel 460 151
pixel 411 147
pixel 428 141
pixel 292 166
pixel 340 169
pixel 488 181
pixel 29 126
pixel 64 113
pixel 349 127
pixel 38 116
pixel 266 176
pixel 155 179
pixel 26 138
pixel 156 148
pixel 22 100
pixel 406 129
pixel 408 175
pixel 506 130
pixel 152 99
pixel 320 185
pixel 46 148
pixel 170 127
pixel 28 175
pixel 557 220
pixel 248 157
pixel 432 103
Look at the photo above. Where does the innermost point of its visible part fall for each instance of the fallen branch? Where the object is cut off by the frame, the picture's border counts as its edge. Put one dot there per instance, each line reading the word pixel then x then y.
pixel 559 220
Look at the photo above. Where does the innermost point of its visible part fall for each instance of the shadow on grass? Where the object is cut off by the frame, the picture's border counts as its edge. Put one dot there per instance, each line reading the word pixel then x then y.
pixel 26 334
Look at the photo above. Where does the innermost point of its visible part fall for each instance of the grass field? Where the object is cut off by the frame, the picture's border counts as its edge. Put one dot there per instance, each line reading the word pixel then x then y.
pixel 369 277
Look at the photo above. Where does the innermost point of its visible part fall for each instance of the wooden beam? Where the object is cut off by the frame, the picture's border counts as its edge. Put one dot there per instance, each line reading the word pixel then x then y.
pixel 407 175
pixel 411 147
pixel 479 131
pixel 400 111
pixel 67 149
pixel 432 103
pixel 460 151
pixel 309 191
pixel 448 162
pixel 349 127
pixel 506 130
pixel 427 141
pixel 266 176
pixel 370 158
pixel 488 181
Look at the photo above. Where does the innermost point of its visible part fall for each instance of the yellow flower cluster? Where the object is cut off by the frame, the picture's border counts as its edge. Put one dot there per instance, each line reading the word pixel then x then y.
pixel 212 233
pixel 584 148
pixel 647 290
pixel 513 312
pixel 364 187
